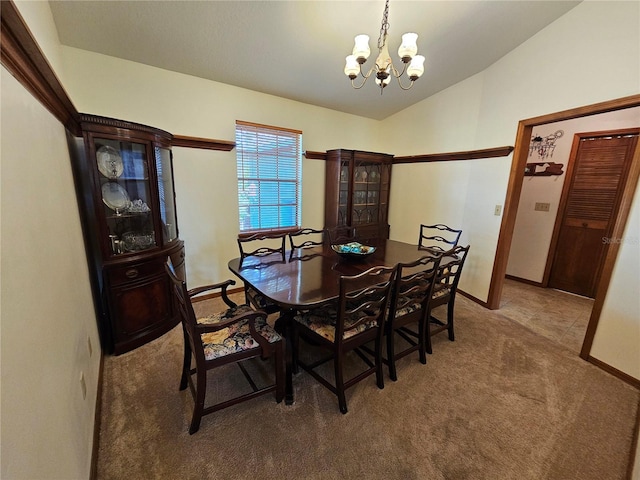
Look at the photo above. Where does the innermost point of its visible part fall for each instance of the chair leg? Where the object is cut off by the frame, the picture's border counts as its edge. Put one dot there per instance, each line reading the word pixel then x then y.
pixel 450 319
pixel 423 337
pixel 280 370
pixel 186 364
pixel 391 355
pixel 378 362
pixel 201 389
pixel 427 334
pixel 342 399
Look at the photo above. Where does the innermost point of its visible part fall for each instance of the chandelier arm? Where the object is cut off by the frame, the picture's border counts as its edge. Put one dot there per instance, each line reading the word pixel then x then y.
pixel 402 86
pixel 395 70
pixel 364 79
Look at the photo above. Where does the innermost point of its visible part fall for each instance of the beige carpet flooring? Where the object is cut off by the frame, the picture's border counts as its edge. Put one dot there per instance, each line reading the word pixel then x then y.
pixel 501 402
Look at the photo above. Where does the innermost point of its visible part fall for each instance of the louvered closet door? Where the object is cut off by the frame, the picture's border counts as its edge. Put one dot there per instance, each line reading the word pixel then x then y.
pixel 600 168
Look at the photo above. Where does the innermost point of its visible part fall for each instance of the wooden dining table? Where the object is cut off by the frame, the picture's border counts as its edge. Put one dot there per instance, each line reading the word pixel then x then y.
pixel 309 277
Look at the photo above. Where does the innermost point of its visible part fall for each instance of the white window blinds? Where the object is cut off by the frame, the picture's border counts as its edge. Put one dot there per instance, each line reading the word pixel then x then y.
pixel 269 162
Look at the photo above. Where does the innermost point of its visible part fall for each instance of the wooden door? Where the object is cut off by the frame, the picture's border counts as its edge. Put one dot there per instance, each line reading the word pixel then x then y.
pixel 591 196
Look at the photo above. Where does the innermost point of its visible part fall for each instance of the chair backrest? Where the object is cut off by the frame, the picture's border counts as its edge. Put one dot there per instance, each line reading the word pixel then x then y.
pixel 438 237
pixel 185 309
pixel 261 244
pixel 451 267
pixel 363 297
pixel 414 283
pixel 307 237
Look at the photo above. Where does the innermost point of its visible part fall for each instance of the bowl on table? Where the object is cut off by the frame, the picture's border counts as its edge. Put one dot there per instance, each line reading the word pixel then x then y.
pixel 353 250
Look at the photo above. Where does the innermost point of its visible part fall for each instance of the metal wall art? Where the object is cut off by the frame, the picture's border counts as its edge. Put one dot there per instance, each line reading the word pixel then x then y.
pixel 544 146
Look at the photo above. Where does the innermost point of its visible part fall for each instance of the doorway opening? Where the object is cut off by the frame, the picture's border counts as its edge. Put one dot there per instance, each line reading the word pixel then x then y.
pixel 521 153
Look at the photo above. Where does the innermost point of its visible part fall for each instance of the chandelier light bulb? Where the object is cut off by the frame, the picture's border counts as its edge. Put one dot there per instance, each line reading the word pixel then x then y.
pixel 416 67
pixel 361 48
pixel 352 68
pixel 409 47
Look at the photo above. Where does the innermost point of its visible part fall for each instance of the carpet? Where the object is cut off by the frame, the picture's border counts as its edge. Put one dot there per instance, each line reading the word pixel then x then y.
pixel 501 402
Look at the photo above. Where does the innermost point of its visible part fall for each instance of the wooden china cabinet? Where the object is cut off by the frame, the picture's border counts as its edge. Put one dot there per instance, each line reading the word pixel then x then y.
pixel 357 192
pixel 125 184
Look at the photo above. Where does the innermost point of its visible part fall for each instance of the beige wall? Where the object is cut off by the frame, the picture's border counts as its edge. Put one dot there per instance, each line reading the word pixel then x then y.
pixel 47 309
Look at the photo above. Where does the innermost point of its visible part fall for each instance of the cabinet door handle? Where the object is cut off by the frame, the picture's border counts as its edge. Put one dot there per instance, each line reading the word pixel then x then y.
pixel 131 273
pixel 585 224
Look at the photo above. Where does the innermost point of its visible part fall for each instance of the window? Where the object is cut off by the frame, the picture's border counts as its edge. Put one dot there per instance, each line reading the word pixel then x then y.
pixel 269 161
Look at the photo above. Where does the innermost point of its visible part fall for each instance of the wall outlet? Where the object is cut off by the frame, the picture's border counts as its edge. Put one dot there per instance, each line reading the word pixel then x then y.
pixel 83 386
pixel 542 207
pixel 498 210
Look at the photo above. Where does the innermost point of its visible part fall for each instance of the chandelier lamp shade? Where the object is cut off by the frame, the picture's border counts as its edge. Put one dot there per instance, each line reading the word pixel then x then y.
pixel 412 64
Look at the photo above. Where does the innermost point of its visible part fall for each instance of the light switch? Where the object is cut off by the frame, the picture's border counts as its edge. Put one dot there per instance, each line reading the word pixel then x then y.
pixel 542 207
pixel 498 210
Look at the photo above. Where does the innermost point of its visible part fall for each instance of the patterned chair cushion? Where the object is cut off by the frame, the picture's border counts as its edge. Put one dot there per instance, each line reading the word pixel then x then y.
pixel 407 309
pixel 441 291
pixel 323 322
pixel 235 338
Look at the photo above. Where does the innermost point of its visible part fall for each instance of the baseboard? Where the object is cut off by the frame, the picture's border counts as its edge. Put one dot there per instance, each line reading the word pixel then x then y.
pixel 524 280
pixel 634 382
pixel 97 423
pixel 473 299
pixel 209 296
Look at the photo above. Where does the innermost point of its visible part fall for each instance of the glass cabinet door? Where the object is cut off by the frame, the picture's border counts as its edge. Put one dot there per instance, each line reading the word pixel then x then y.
pixel 366 193
pixel 165 193
pixel 343 200
pixel 126 196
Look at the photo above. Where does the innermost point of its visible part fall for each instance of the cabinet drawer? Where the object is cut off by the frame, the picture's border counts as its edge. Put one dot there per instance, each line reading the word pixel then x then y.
pixel 133 273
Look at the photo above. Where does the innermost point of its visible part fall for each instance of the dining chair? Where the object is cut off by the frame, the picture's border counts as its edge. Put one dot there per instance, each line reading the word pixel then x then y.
pixel 307 237
pixel 261 245
pixel 410 308
pixel 342 326
pixel 444 292
pixel 232 336
pixel 438 237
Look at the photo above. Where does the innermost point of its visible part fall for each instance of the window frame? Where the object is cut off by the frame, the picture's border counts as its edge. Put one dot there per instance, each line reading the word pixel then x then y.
pixel 274 158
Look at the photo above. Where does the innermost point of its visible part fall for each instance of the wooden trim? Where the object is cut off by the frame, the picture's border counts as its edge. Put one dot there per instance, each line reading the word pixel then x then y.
pixel 269 231
pixel 315 155
pixel 634 382
pixel 22 57
pixel 270 127
pixel 472 298
pixel 204 143
pixel 445 157
pixel 97 423
pixel 524 280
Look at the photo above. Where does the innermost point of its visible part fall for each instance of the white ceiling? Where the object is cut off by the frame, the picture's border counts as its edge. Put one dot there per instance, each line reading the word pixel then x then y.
pixel 296 49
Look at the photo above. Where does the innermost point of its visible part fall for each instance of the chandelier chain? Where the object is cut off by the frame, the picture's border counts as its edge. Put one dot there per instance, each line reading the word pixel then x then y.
pixel 384 28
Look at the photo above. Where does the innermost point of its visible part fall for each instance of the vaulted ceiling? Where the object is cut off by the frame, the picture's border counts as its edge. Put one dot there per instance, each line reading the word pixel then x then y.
pixel 296 49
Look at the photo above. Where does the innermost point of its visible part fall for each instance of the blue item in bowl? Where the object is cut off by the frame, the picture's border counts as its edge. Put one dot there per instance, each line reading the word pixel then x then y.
pixel 353 250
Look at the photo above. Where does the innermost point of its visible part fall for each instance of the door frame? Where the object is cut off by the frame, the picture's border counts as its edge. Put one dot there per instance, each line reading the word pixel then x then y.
pixel 512 198
pixel 565 194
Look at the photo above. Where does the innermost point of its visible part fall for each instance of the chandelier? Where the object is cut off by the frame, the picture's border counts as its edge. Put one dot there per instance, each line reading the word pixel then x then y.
pixel 384 69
